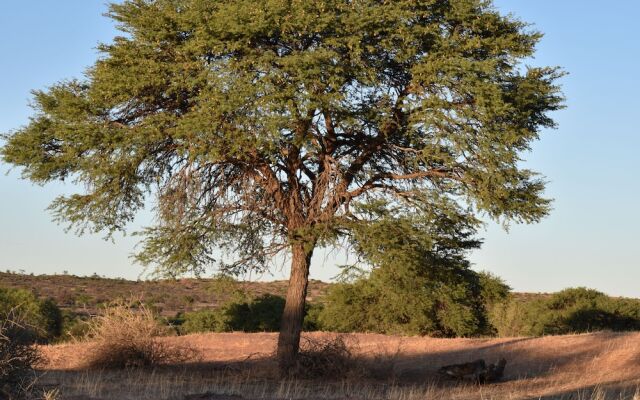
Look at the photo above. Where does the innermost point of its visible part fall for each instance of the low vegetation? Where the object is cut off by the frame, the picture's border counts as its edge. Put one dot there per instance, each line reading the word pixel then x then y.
pixel 572 310
pixel 42 319
pixel 261 314
pixel 18 356
pixel 403 300
pixel 420 282
pixel 332 357
pixel 126 336
pixel 408 303
pixel 131 335
pixel 83 296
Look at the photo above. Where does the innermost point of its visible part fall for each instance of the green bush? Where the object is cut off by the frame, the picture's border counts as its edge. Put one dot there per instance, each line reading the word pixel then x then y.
pixel 419 282
pixel 74 325
pixel 312 314
pixel 262 314
pixel 43 317
pixel 516 317
pixel 397 301
pixel 204 321
pixel 52 319
pixel 573 310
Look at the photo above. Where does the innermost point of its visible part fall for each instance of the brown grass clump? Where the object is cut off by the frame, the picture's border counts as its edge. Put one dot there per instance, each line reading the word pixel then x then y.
pixel 18 358
pixel 331 357
pixel 125 336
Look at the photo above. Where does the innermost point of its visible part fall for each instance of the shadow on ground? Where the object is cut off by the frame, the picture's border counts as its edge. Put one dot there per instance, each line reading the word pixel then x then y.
pixel 537 368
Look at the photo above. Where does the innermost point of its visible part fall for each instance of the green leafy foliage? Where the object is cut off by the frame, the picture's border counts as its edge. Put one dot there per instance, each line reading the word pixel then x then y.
pixel 75 326
pixel 204 321
pixel 261 314
pixel 42 317
pixel 420 283
pixel 572 310
pixel 403 302
pixel 311 321
pixel 264 314
pixel 255 124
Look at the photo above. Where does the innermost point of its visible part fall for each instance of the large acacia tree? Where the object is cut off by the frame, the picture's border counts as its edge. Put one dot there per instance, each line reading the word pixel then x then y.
pixel 267 126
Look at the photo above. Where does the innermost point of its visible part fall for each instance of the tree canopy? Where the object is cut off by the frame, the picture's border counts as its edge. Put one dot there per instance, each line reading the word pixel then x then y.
pixel 260 126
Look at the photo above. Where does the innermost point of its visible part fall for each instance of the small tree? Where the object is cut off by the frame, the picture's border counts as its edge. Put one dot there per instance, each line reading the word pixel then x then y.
pixel 259 124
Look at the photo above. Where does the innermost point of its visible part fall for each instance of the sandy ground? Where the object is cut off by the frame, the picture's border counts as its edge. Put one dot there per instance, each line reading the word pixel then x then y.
pixel 588 366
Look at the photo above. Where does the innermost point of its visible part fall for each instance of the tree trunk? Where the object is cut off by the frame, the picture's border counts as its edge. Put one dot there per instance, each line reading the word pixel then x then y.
pixel 291 327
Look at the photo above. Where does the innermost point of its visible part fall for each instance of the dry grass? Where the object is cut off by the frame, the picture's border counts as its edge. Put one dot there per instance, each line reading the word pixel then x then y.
pixel 331 357
pixel 125 336
pixel 595 366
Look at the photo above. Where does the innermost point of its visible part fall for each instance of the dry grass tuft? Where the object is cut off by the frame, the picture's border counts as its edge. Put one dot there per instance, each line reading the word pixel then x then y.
pixel 18 358
pixel 331 357
pixel 125 337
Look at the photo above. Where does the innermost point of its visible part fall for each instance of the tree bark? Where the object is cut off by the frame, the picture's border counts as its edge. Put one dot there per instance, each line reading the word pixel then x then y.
pixel 293 316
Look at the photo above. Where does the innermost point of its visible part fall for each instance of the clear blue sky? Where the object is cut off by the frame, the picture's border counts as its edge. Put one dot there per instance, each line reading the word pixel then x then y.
pixel 591 161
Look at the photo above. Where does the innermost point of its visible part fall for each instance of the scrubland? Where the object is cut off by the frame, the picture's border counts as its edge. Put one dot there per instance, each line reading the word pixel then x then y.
pixel 603 365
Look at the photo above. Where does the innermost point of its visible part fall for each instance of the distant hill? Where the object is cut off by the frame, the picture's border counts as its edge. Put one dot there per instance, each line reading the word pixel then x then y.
pixel 86 294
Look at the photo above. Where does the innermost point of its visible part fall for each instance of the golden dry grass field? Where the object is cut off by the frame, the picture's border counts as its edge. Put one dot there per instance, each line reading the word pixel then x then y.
pixel 602 365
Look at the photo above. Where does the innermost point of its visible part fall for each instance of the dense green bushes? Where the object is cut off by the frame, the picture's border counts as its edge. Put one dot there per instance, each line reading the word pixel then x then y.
pixel 420 281
pixel 370 305
pixel 405 302
pixel 201 321
pixel 569 311
pixel 261 314
pixel 43 317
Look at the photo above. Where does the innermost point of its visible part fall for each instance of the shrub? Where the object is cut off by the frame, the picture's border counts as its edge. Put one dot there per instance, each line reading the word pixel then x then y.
pixel 572 310
pixel 399 299
pixel 586 310
pixel 265 314
pixel 327 358
pixel 262 314
pixel 126 336
pixel 515 317
pixel 42 318
pixel 419 282
pixel 204 321
pixel 51 319
pixel 74 326
pixel 312 317
pixel 18 357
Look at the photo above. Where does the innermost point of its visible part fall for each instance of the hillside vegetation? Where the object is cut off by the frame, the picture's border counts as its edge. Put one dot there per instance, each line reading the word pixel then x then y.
pixel 483 306
pixel 167 296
